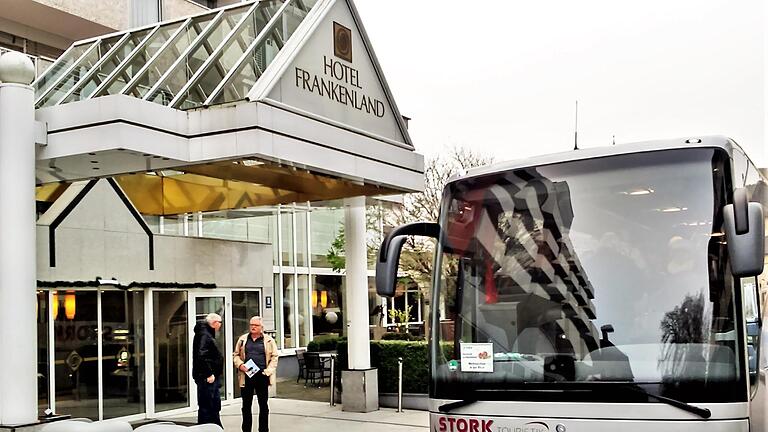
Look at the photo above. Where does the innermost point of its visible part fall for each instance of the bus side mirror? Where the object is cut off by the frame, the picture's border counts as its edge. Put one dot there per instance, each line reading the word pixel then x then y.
pixel 745 234
pixel 386 270
pixel 389 253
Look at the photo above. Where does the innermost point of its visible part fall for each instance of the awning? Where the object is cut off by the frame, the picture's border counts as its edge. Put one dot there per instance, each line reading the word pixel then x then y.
pixel 257 103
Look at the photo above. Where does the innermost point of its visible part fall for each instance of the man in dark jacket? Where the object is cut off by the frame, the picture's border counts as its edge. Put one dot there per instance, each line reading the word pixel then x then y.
pixel 207 367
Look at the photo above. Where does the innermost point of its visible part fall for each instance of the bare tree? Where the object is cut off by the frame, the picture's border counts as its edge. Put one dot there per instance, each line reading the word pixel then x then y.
pixel 683 330
pixel 418 252
pixel 417 257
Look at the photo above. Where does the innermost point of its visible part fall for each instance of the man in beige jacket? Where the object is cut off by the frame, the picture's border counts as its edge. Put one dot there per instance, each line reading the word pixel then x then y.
pixel 261 349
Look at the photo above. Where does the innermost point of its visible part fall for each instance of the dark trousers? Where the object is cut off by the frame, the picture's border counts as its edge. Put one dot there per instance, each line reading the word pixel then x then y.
pixel 208 402
pixel 259 385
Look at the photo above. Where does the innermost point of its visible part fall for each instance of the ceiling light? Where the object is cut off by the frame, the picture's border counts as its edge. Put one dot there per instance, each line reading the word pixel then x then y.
pixel 111 281
pixel 635 192
pixel 672 209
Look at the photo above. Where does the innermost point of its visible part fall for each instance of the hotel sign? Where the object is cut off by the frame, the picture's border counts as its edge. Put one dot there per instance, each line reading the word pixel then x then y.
pixel 340 82
pixel 333 76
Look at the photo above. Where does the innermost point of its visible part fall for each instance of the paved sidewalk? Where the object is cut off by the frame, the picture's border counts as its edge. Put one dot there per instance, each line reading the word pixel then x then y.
pixel 306 416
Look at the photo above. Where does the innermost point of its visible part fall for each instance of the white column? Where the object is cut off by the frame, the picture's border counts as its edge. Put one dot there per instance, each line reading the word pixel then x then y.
pixel 18 327
pixel 356 283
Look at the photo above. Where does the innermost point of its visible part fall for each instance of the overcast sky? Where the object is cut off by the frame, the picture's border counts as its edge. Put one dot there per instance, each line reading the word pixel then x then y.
pixel 502 76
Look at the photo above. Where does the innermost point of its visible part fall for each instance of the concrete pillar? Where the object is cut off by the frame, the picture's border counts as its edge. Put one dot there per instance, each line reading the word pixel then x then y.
pixel 356 283
pixel 360 392
pixel 18 326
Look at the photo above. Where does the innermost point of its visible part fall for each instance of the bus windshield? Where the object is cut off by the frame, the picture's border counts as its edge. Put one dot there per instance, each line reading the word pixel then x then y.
pixel 586 276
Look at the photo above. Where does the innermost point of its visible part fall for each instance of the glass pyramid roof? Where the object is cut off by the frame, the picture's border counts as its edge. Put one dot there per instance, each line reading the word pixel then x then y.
pixel 207 59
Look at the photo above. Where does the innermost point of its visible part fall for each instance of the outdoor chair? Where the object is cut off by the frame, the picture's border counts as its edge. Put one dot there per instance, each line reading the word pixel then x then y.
pixel 314 368
pixel 300 359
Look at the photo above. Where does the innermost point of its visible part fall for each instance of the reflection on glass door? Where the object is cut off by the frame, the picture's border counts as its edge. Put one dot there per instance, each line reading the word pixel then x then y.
pixel 123 353
pixel 75 318
pixel 204 306
pixel 42 352
pixel 171 350
pixel 245 304
pixel 289 306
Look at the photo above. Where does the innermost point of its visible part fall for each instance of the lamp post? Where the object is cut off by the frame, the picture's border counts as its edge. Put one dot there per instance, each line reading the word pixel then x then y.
pixel 18 327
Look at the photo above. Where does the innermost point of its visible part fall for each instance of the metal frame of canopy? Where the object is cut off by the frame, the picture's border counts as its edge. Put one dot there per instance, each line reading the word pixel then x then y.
pixel 77 71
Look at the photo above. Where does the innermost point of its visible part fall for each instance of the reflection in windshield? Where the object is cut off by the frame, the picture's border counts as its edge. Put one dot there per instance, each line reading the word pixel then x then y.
pixel 608 270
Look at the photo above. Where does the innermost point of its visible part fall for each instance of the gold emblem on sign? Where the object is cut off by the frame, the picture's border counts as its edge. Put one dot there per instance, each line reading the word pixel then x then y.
pixel 342 42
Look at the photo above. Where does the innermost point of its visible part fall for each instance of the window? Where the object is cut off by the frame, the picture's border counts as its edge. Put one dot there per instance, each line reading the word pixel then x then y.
pixel 245 304
pixel 42 352
pixel 286 239
pixel 171 345
pixel 326 305
pixel 326 224
pixel 123 353
pixel 75 347
pixel 289 306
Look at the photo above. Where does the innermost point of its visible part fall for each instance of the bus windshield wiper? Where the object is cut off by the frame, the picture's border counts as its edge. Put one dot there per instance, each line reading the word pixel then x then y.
pixel 453 405
pixel 701 412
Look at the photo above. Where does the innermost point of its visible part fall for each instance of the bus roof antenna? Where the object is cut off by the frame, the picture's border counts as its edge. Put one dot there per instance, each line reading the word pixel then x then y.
pixel 576 128
pixel 614 140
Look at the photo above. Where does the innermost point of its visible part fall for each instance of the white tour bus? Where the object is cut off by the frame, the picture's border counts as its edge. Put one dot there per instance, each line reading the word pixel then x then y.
pixel 608 289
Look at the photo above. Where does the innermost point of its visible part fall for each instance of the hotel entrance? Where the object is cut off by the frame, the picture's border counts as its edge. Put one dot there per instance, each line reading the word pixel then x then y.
pixel 108 364
pixel 236 308
pixel 164 195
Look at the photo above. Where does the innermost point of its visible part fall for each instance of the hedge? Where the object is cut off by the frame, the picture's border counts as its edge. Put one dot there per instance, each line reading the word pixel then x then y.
pixel 384 355
pixel 401 336
pixel 324 343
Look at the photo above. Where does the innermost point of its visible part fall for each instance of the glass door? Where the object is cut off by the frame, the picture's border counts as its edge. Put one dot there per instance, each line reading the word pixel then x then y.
pixel 123 357
pixel 245 304
pixel 171 349
pixel 98 352
pixel 219 303
pixel 76 352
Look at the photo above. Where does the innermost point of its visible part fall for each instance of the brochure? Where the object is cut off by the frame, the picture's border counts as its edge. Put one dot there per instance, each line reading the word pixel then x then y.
pixel 252 368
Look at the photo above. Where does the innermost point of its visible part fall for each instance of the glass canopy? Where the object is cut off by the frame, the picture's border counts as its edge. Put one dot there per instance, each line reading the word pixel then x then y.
pixel 202 60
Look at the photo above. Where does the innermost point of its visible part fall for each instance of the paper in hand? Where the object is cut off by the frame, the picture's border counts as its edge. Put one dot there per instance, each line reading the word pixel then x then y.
pixel 252 368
